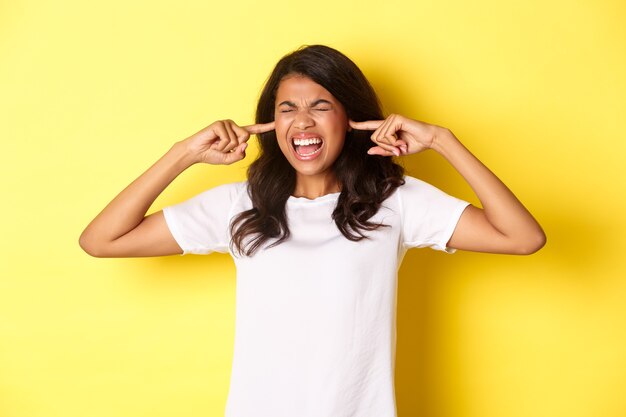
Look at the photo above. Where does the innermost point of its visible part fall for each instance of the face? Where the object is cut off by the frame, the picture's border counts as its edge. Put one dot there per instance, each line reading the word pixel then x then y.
pixel 310 125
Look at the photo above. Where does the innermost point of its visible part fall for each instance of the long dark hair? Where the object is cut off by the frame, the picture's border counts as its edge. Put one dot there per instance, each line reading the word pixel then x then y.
pixel 365 181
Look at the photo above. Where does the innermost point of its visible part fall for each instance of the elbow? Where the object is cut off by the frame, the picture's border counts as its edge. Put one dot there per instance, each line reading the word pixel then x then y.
pixel 532 244
pixel 90 246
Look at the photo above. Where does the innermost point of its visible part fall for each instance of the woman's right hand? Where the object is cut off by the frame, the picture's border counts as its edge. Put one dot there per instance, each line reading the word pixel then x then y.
pixel 223 142
pixel 122 228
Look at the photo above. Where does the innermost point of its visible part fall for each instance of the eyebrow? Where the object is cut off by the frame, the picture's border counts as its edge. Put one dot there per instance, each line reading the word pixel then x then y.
pixel 315 103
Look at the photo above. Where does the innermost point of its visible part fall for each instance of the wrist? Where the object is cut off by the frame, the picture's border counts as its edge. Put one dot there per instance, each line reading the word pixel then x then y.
pixel 182 155
pixel 443 140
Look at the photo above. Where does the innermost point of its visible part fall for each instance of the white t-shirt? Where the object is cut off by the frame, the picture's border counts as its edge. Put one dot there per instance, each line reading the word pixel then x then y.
pixel 315 320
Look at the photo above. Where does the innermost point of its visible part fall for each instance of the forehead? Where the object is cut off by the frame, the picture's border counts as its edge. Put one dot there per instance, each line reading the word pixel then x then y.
pixel 301 87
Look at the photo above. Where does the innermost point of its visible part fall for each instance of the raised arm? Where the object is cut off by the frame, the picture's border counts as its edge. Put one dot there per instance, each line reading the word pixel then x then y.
pixel 122 228
pixel 502 225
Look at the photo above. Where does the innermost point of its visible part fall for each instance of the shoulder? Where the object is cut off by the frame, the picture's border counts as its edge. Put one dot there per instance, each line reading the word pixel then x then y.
pixel 415 192
pixel 216 199
pixel 410 192
pixel 415 188
pixel 414 184
pixel 229 192
pixel 233 187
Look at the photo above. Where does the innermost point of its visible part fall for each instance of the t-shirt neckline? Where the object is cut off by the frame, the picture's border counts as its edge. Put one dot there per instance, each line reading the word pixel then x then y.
pixel 320 199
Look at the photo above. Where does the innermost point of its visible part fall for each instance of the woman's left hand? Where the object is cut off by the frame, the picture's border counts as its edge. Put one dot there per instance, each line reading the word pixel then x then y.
pixel 398 135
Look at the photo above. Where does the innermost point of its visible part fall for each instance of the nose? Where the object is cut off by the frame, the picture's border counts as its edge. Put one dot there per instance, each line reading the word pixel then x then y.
pixel 303 119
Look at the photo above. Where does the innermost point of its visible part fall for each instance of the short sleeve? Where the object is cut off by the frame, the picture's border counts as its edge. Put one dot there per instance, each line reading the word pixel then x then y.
pixel 201 224
pixel 429 215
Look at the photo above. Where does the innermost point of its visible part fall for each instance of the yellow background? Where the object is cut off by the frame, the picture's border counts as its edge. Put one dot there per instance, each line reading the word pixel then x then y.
pixel 92 93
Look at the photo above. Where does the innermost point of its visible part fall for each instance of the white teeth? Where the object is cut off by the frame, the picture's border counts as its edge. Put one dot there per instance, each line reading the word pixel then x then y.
pixel 310 153
pixel 304 142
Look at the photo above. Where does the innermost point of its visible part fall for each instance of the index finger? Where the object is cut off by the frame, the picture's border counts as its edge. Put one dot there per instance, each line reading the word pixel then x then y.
pixel 259 128
pixel 366 125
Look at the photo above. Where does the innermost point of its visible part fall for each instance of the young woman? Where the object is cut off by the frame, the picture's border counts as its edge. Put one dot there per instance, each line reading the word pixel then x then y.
pixel 317 233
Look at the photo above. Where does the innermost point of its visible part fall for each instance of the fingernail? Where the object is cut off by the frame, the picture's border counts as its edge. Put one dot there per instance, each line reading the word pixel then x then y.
pixel 396 152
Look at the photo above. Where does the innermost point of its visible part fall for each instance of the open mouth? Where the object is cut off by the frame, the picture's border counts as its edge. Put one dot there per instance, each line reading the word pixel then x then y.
pixel 307 148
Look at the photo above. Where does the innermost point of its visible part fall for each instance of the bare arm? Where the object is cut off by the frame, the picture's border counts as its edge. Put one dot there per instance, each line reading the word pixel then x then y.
pixel 122 228
pixel 503 225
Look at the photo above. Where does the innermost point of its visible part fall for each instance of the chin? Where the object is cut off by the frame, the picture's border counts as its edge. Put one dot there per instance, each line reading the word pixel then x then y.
pixel 308 170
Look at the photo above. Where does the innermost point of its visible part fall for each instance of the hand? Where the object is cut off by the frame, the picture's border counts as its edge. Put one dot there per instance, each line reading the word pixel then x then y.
pixel 398 135
pixel 223 142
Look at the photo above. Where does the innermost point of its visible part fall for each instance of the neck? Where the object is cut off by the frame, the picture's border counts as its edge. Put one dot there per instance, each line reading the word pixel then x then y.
pixel 314 186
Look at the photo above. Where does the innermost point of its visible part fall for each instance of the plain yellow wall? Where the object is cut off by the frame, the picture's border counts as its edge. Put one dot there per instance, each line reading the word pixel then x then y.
pixel 92 93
